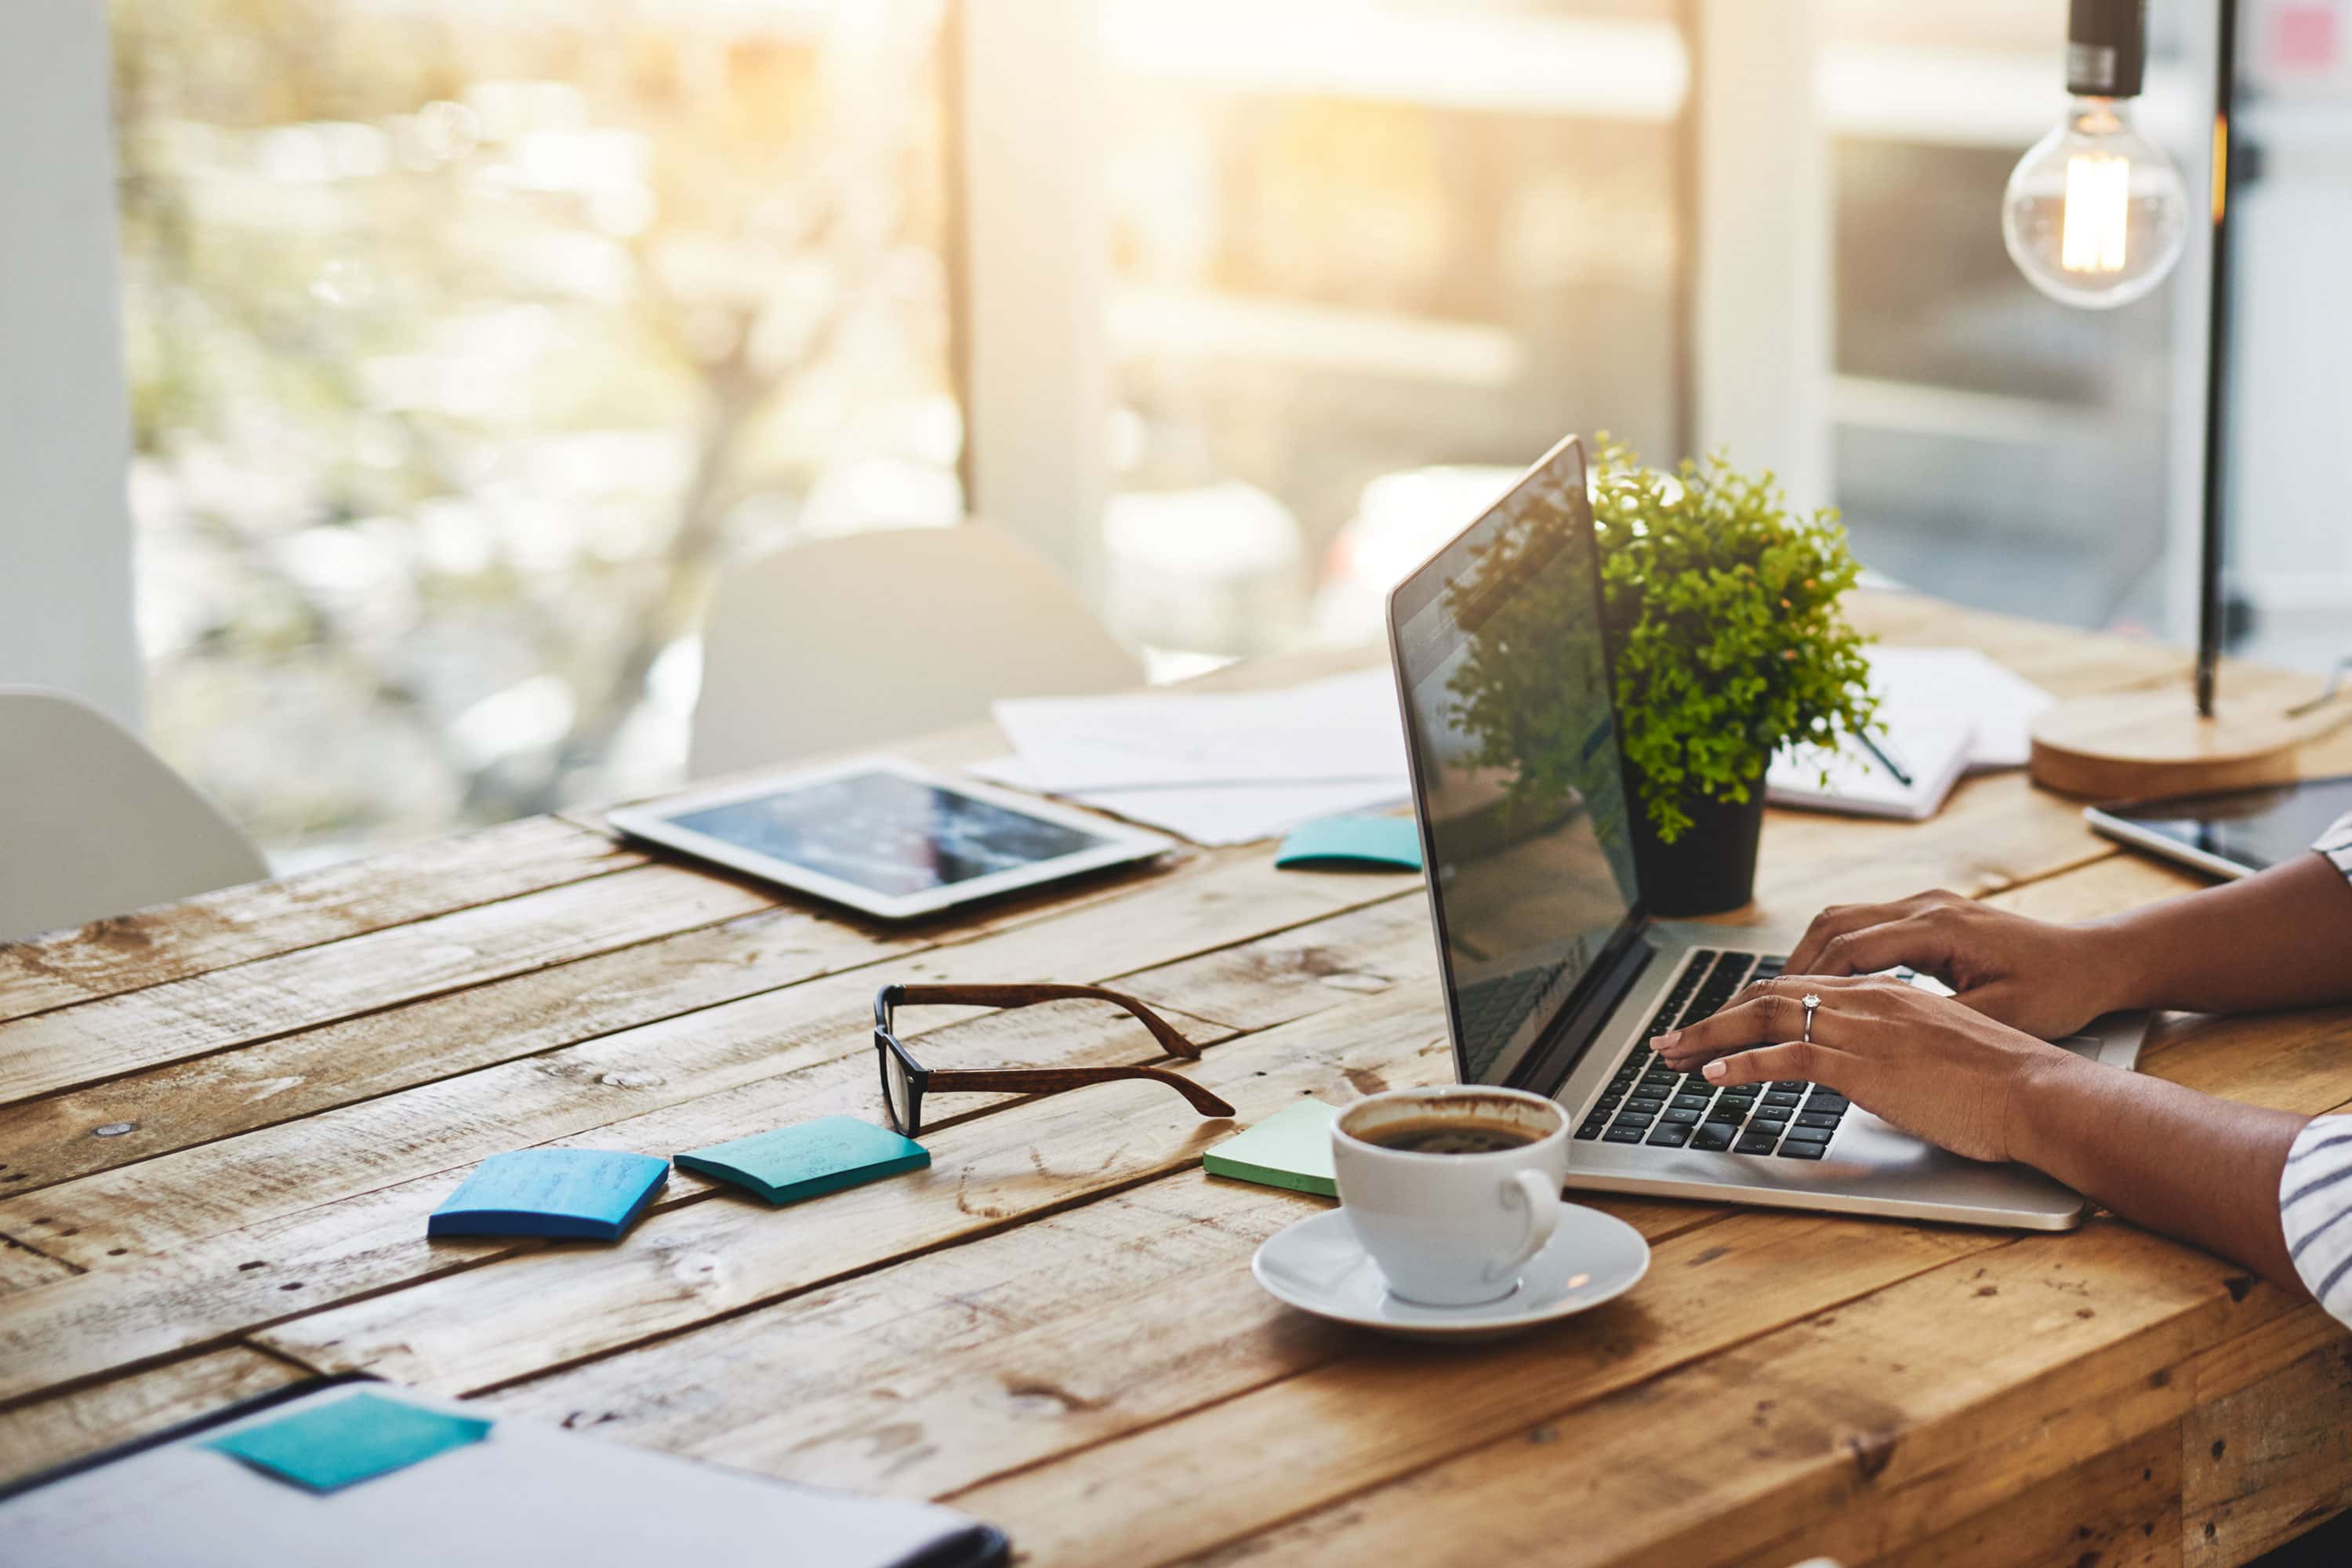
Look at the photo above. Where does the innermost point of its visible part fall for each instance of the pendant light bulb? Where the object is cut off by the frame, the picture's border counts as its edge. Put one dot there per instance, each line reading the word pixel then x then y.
pixel 2096 214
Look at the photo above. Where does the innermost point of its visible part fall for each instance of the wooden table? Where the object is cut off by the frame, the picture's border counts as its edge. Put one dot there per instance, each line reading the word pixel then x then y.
pixel 222 1124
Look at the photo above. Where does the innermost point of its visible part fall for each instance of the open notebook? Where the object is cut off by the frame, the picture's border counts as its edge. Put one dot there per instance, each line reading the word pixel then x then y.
pixel 523 1493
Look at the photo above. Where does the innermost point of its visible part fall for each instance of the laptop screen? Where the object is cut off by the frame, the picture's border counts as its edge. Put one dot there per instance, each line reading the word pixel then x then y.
pixel 1513 736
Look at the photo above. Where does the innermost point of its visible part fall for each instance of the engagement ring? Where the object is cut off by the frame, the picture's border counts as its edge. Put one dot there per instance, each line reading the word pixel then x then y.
pixel 1810 1002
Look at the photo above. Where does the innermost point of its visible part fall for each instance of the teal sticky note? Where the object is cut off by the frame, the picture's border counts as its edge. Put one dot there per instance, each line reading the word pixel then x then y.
pixel 1353 844
pixel 329 1447
pixel 821 1156
pixel 1292 1148
pixel 585 1194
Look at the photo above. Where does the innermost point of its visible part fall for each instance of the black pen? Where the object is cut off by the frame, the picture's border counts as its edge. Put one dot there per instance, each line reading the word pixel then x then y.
pixel 1889 763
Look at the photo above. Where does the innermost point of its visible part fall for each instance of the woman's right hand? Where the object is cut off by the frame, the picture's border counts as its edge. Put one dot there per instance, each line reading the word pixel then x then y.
pixel 2043 979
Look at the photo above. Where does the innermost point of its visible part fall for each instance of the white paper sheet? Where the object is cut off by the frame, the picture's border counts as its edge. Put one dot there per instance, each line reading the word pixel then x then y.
pixel 1344 728
pixel 526 1494
pixel 1963 684
pixel 1217 814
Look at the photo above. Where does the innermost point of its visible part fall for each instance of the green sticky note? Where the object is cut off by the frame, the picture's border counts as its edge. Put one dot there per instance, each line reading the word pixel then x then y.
pixel 821 1156
pixel 329 1447
pixel 1353 844
pixel 1289 1148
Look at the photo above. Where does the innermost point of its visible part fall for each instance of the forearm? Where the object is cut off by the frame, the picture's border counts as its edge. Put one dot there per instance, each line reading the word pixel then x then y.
pixel 2168 1158
pixel 2283 938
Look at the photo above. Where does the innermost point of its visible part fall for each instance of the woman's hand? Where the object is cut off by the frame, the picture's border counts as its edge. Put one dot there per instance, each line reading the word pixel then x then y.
pixel 1942 1071
pixel 2047 980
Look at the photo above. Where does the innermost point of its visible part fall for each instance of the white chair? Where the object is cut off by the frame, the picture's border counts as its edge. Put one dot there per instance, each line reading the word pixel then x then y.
pixel 865 639
pixel 92 823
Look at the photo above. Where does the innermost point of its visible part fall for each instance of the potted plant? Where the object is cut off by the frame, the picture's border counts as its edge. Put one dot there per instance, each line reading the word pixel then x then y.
pixel 1720 614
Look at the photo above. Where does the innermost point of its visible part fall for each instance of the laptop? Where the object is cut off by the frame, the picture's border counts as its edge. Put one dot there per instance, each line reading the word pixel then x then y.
pixel 1556 977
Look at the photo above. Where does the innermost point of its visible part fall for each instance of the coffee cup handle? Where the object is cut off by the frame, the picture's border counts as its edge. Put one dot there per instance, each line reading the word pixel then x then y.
pixel 1541 1195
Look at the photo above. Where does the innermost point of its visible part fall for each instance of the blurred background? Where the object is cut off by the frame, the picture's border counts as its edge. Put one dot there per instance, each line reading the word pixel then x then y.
pixel 469 339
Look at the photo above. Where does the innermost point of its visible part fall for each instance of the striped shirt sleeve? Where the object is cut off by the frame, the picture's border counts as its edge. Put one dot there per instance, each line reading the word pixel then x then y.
pixel 2316 1207
pixel 2336 844
pixel 2316 1192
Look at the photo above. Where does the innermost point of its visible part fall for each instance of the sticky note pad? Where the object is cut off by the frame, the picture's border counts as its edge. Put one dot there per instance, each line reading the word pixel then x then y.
pixel 1289 1148
pixel 1353 844
pixel 821 1156
pixel 591 1195
pixel 329 1447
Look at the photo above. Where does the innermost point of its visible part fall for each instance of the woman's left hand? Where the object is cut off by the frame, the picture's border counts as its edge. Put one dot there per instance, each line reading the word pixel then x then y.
pixel 1930 1066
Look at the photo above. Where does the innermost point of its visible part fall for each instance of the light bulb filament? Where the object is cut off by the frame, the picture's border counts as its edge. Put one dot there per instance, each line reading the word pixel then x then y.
pixel 2098 212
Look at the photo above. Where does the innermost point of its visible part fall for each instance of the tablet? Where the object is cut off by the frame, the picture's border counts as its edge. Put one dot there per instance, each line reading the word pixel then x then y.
pixel 886 836
pixel 2234 833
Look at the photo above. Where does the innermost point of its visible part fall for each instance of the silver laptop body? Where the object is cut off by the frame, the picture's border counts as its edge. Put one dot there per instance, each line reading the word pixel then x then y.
pixel 1554 974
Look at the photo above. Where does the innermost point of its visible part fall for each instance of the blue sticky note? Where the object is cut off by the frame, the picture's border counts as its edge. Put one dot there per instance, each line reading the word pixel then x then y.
pixel 590 1194
pixel 329 1447
pixel 1353 844
pixel 821 1156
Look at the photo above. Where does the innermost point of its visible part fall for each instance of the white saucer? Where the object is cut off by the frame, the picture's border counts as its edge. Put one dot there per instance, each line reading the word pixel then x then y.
pixel 1318 1265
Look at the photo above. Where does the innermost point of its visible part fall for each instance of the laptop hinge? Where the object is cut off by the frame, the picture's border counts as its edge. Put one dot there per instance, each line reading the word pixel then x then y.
pixel 1555 1055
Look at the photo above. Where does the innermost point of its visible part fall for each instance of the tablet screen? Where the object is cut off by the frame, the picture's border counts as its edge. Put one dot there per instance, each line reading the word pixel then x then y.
pixel 890 834
pixel 2255 828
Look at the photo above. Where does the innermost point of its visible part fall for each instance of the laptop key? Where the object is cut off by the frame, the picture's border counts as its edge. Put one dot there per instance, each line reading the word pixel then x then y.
pixel 1822 1100
pixel 1669 1136
pixel 1823 1119
pixel 1769 1126
pixel 1633 1119
pixel 1754 1141
pixel 1734 1114
pixel 1692 1102
pixel 1623 1134
pixel 1782 1102
pixel 1712 1136
pixel 1594 1126
pixel 1794 1150
pixel 1793 1085
pixel 1679 1115
pixel 1647 1104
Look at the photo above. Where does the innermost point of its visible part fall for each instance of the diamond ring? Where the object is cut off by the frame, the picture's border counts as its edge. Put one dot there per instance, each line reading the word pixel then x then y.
pixel 1810 1002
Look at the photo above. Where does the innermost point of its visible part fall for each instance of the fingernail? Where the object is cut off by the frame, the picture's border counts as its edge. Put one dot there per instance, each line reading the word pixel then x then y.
pixel 1714 1071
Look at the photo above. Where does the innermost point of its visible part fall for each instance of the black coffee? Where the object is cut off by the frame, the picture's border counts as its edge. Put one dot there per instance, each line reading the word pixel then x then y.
pixel 1451 1136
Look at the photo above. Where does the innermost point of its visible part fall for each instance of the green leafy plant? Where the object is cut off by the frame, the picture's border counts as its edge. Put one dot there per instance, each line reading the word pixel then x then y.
pixel 1721 612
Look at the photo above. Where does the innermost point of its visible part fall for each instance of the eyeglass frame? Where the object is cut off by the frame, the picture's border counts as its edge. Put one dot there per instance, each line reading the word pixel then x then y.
pixel 922 1081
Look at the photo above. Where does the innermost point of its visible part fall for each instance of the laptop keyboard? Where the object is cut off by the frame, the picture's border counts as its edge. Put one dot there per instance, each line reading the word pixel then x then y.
pixel 1648 1102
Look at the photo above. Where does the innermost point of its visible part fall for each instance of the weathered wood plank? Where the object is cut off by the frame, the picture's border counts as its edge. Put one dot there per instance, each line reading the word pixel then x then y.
pixel 53 1432
pixel 450 1121
pixel 470 1331
pixel 1708 1465
pixel 214 1011
pixel 261 920
pixel 2269 1462
pixel 931 1428
pixel 21 1267
pixel 1069 1327
pixel 179 1106
pixel 2121 1509
pixel 184 1293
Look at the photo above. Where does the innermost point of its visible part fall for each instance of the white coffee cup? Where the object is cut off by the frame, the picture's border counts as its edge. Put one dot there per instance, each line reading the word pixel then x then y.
pixel 1451 1230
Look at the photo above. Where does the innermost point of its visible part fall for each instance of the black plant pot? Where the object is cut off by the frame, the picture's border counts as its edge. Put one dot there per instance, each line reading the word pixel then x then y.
pixel 1711 868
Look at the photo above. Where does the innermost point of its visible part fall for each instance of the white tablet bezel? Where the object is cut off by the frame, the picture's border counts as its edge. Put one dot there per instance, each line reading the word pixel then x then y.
pixel 653 823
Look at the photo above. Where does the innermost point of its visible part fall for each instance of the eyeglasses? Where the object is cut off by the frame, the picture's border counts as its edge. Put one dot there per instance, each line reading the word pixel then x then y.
pixel 905 1081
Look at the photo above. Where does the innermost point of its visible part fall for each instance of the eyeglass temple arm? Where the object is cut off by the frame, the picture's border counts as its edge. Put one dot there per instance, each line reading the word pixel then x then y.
pixel 1053 1080
pixel 1023 995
